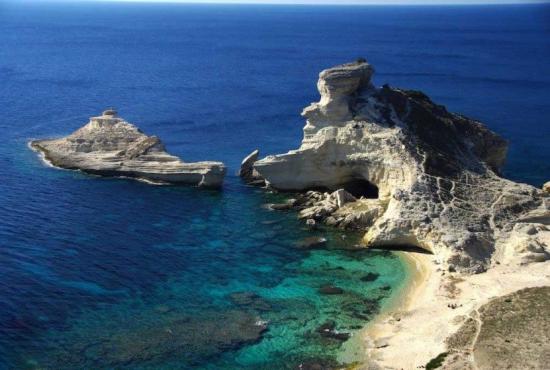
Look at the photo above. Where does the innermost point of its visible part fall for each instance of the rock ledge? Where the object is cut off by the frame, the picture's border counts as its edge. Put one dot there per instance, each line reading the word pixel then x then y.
pixel 110 146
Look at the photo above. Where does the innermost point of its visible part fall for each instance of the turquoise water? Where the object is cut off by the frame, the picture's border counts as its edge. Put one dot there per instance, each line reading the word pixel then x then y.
pixel 152 282
pixel 110 273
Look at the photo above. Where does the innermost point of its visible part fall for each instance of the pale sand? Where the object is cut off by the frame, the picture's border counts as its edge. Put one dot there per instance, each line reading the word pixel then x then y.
pixel 354 350
pixel 414 329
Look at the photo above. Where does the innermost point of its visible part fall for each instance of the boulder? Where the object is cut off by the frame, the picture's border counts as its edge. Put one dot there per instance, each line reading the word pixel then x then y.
pixel 311 223
pixel 342 197
pixel 247 172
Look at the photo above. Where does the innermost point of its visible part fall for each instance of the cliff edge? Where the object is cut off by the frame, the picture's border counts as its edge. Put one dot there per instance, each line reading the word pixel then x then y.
pixel 431 175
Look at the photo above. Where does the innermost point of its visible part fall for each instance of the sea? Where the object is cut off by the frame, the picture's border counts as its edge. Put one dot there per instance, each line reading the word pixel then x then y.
pixel 106 273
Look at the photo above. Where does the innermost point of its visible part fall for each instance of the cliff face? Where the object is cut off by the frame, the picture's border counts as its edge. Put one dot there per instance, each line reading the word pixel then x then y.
pixel 110 146
pixel 436 172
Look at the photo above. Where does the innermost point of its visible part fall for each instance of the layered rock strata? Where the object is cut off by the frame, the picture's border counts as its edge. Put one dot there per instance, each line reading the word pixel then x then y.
pixel 433 174
pixel 110 146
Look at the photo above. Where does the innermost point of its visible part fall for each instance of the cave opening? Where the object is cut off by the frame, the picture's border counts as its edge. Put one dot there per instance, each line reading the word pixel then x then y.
pixel 361 188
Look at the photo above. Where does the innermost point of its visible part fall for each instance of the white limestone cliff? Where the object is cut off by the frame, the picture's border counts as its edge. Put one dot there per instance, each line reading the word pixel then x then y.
pixel 110 146
pixel 436 173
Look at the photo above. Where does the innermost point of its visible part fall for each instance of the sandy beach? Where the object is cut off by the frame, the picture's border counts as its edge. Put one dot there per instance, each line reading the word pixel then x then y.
pixel 434 304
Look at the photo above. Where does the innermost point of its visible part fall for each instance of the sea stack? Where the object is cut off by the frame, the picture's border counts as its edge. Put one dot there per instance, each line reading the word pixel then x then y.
pixel 431 175
pixel 109 146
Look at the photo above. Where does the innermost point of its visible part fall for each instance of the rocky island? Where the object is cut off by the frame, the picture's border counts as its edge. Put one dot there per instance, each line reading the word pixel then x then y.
pixel 110 146
pixel 409 173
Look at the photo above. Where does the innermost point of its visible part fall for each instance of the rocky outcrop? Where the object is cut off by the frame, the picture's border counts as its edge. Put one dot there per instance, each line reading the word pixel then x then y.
pixel 110 146
pixel 433 173
pixel 339 208
pixel 247 171
pixel 546 187
pixel 247 165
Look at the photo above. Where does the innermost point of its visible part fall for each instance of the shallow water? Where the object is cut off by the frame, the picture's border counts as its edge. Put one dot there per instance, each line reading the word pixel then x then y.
pixel 110 273
pixel 137 284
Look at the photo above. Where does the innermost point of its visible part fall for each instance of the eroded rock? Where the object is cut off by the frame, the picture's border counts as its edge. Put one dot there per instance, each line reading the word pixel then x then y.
pixel 433 173
pixel 110 146
pixel 247 171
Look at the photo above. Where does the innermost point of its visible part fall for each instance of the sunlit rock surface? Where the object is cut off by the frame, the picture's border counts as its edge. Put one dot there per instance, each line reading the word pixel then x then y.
pixel 110 146
pixel 435 172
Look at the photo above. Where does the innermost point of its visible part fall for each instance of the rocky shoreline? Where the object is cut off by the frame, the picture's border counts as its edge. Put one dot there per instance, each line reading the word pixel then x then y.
pixel 110 146
pixel 402 169
pixel 337 209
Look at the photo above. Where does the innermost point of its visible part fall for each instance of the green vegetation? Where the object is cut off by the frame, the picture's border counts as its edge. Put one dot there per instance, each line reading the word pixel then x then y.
pixel 436 361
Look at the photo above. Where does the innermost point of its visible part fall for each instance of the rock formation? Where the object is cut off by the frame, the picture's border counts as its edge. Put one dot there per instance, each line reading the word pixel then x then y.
pixel 247 171
pixel 424 176
pixel 110 146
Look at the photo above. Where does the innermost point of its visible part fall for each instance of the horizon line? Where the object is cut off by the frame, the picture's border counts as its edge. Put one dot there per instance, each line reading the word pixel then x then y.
pixel 306 3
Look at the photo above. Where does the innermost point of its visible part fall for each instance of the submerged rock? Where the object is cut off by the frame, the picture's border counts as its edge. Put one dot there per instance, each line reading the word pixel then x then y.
pixel 151 339
pixel 289 204
pixel 250 300
pixel 432 174
pixel 330 290
pixel 328 330
pixel 371 276
pixel 110 146
pixel 312 242
pixel 311 223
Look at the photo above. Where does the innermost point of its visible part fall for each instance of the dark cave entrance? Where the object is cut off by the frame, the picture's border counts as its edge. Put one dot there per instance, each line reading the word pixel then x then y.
pixel 361 188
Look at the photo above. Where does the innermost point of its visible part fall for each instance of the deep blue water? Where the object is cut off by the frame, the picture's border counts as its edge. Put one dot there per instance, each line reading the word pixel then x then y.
pixel 111 273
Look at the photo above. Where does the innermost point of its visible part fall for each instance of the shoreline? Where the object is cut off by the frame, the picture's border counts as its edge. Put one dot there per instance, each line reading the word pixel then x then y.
pixel 48 163
pixel 374 335
pixel 417 269
pixel 42 155
pixel 433 304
